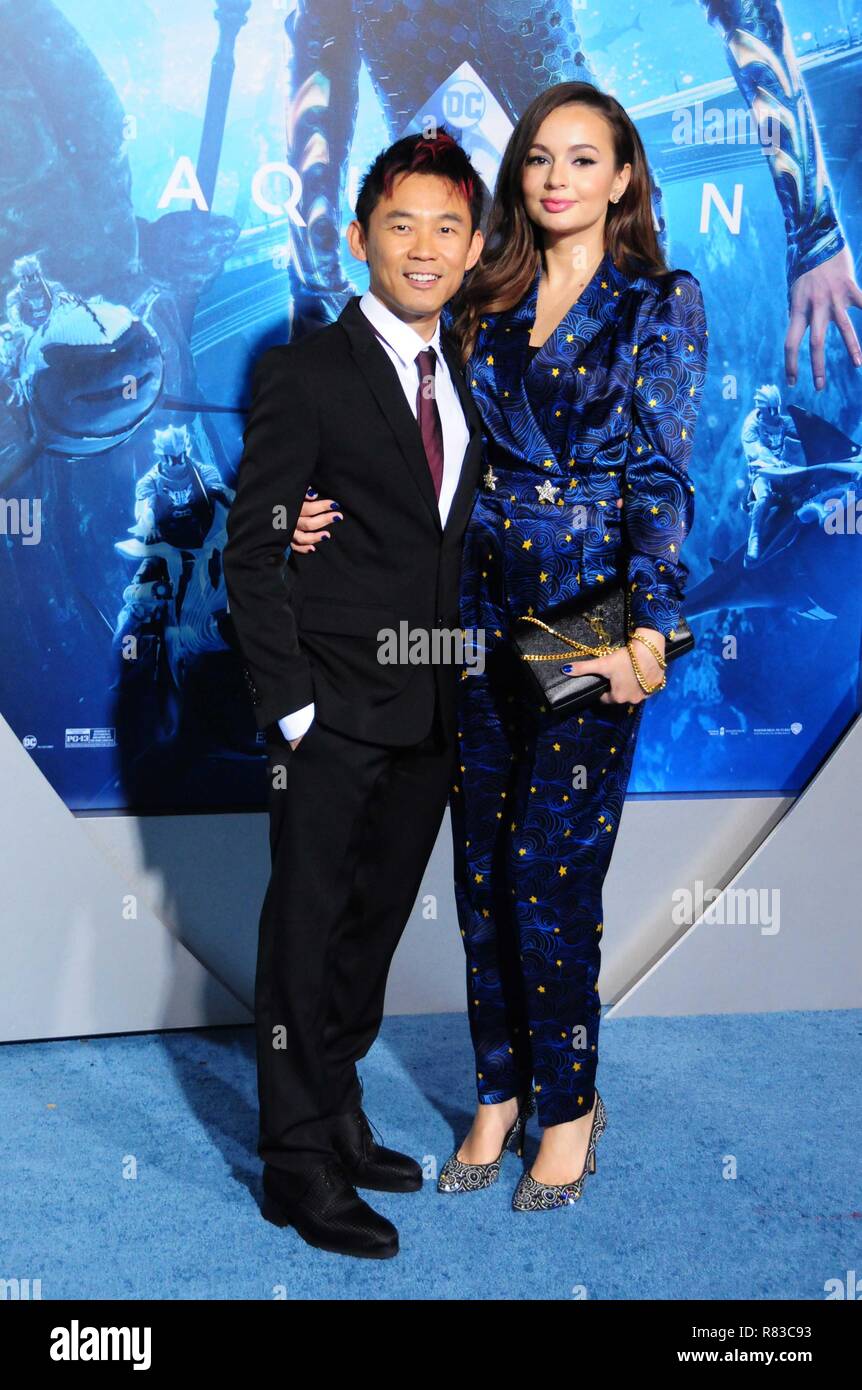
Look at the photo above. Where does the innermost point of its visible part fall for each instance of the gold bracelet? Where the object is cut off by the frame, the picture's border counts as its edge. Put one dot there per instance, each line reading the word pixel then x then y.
pixel 647 689
pixel 653 648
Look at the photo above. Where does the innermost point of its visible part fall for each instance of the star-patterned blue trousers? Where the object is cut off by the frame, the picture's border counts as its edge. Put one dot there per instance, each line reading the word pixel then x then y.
pixel 535 812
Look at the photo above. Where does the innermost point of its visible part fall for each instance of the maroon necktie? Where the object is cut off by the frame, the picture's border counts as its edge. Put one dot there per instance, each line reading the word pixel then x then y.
pixel 429 416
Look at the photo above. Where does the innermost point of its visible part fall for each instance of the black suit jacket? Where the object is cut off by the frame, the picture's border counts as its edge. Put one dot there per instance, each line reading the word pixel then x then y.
pixel 330 408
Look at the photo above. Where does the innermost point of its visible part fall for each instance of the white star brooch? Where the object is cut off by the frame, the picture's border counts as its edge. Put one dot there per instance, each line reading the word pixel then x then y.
pixel 546 490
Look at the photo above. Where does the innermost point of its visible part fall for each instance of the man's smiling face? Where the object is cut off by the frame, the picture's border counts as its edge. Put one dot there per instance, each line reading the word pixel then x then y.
pixel 419 246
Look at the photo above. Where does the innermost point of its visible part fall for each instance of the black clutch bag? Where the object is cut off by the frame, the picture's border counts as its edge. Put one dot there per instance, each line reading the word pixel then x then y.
pixel 560 635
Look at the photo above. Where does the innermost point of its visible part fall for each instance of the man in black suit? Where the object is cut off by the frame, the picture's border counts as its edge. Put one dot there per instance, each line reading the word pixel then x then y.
pixel 376 409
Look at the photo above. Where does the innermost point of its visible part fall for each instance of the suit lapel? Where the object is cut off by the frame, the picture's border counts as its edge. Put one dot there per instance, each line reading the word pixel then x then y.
pixel 468 479
pixel 371 359
pixel 375 366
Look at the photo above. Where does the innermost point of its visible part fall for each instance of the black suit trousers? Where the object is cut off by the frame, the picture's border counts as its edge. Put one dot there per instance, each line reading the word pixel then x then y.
pixel 352 826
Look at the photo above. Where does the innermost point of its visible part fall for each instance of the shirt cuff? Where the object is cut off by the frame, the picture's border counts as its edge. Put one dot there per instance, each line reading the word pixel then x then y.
pixel 296 724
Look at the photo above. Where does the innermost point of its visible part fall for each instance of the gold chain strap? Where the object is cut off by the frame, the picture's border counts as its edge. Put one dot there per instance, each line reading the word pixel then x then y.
pixel 604 649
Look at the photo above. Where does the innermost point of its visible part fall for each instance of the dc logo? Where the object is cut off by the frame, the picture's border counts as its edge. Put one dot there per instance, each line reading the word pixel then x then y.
pixel 463 104
pixel 29 740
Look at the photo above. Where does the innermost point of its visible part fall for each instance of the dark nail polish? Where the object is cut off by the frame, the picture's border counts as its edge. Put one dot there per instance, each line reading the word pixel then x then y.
pixel 333 506
pixel 311 492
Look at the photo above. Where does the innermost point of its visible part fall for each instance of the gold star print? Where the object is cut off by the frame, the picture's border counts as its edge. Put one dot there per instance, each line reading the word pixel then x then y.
pixel 490 359
pixel 522 851
pixel 562 871
pixel 549 463
pixel 654 510
pixel 556 748
pixel 582 371
pixel 555 371
pixel 546 490
pixel 541 989
pixel 479 878
pixel 527 545
pixel 598 926
pixel 486 912
pixel 484 323
pixel 604 284
pixel 534 899
pixel 664 337
pixel 506 524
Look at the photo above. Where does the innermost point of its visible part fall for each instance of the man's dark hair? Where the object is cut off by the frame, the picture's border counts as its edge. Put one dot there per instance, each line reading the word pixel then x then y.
pixel 440 155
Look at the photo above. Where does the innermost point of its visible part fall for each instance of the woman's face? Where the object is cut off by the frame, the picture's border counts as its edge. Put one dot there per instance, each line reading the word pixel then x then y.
pixel 569 175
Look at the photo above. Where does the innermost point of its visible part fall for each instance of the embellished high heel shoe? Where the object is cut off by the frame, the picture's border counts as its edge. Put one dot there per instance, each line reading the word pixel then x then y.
pixel 536 1196
pixel 458 1176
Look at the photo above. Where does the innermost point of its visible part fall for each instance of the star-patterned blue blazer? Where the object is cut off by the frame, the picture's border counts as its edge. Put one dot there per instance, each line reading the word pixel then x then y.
pixel 605 409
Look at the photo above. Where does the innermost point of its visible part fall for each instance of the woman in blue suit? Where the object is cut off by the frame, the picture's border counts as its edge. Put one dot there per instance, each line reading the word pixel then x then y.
pixel 587 360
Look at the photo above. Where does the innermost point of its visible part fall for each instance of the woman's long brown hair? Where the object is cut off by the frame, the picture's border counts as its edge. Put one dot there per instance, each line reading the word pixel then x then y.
pixel 512 251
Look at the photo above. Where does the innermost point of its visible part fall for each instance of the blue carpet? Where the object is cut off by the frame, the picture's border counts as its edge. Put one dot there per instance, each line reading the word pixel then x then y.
pixel 778 1094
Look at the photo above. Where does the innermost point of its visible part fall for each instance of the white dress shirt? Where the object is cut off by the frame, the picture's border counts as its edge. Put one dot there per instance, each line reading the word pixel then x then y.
pixel 401 344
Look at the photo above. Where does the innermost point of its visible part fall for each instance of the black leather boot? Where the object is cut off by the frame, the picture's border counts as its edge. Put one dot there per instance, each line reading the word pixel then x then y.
pixel 369 1164
pixel 328 1212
